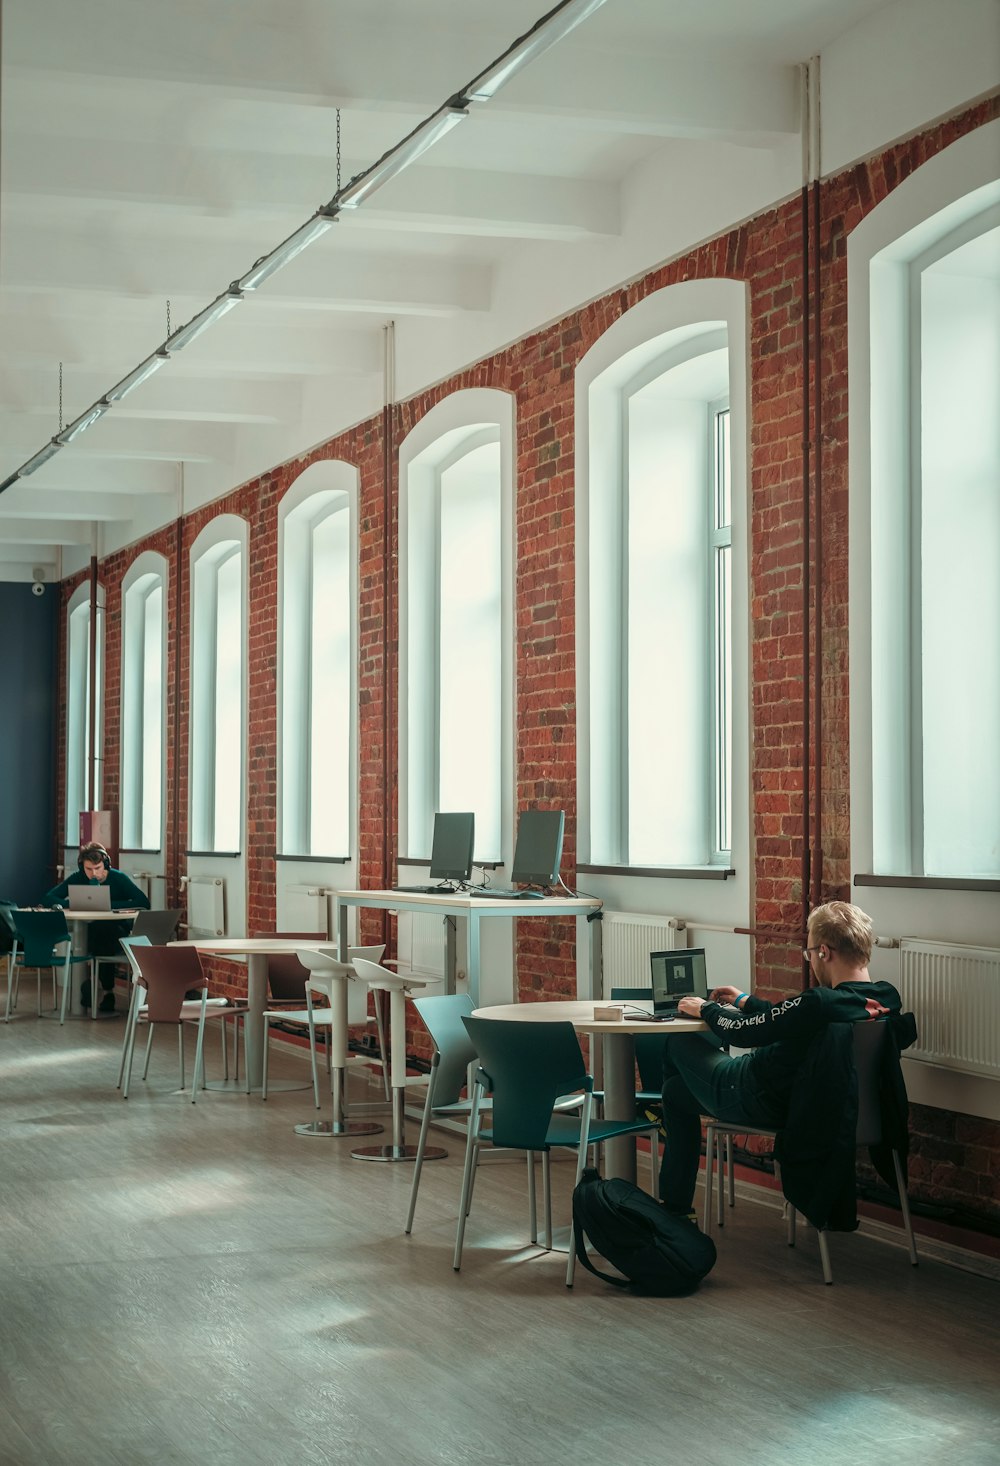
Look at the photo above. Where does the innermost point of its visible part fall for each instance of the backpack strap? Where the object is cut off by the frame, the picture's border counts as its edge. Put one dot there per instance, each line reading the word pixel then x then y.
pixel 581 1253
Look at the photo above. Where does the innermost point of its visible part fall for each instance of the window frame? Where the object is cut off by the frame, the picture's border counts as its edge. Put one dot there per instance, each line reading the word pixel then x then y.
pixel 78 699
pixel 664 330
pixel 332 486
pixel 454 427
pixel 216 545
pixel 150 571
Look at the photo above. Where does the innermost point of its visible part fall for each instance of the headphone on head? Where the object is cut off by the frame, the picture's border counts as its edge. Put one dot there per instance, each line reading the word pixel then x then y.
pixel 93 852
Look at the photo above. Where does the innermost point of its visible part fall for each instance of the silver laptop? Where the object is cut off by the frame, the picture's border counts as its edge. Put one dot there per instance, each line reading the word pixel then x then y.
pixel 89 898
pixel 675 975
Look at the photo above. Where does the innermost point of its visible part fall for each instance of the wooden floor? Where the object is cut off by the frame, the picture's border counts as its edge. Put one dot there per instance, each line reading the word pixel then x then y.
pixel 195 1284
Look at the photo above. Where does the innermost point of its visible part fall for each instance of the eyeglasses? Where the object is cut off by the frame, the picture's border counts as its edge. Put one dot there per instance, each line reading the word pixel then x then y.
pixel 807 950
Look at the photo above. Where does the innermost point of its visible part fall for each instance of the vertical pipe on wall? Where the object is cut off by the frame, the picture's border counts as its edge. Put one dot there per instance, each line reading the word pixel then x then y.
pixel 173 868
pixel 817 851
pixel 805 96
pixel 92 699
pixel 388 453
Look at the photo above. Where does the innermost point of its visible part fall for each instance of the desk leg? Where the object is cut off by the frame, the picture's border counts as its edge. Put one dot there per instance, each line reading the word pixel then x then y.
pixel 473 959
pixel 450 955
pixel 341 920
pixel 619 1102
pixel 254 1020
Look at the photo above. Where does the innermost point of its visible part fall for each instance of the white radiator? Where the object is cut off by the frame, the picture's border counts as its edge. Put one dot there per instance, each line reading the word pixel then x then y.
pixel 955 994
pixel 206 906
pixel 144 880
pixel 308 909
pixel 626 942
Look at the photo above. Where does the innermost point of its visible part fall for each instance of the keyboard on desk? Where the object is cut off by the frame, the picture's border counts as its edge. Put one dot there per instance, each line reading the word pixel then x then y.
pixel 426 890
pixel 496 893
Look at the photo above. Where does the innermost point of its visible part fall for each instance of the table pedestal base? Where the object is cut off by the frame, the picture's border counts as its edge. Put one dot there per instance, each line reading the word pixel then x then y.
pixel 396 1153
pixel 332 1129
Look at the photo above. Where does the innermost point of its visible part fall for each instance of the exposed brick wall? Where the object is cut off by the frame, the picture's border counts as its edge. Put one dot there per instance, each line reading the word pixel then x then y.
pixel 538 371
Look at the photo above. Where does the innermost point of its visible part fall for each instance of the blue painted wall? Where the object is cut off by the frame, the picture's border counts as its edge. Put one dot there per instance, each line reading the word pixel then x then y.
pixel 27 728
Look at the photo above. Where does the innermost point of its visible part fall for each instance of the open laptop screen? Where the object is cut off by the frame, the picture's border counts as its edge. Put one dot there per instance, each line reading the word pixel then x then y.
pixel 89 898
pixel 677 975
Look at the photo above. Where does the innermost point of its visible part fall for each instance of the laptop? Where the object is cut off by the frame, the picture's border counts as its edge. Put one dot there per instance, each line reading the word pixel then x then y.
pixel 675 975
pixel 89 898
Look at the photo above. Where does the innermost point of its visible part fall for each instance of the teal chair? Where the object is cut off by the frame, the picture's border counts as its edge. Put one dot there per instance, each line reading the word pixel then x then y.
pixel 527 1067
pixel 454 1051
pixel 38 934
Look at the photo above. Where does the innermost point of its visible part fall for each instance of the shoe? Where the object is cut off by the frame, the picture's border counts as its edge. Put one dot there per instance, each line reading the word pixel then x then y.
pixel 107 1003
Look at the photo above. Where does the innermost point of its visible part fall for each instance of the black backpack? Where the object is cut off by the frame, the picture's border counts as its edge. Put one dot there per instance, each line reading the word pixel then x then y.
pixel 659 1252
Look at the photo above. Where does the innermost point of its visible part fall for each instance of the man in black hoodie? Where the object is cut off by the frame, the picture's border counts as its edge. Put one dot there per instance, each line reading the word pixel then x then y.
pixel 756 1088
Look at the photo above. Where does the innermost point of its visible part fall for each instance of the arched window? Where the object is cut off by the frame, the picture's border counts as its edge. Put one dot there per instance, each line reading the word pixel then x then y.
pixel 142 702
pixel 925 436
pixel 218 640
pixel 661 475
pixel 317 593
pixel 455 677
pixel 80 697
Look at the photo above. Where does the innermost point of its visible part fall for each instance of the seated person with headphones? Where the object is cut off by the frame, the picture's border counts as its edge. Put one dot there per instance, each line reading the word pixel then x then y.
pixel 94 868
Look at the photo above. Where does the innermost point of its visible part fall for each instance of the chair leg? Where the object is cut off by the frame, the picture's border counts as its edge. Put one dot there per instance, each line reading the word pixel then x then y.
pixel 824 1255
pixel 263 1077
pixel 225 1048
pixel 67 979
pixel 130 1018
pixel 380 1030
pixel 199 1054
pixel 547 1199
pixel 312 1050
pixel 904 1206
pixel 418 1163
pixel 471 1146
pixel 532 1201
pixel 180 1050
pixel 581 1155
pixel 149 1050
pixel 731 1169
pixel 710 1141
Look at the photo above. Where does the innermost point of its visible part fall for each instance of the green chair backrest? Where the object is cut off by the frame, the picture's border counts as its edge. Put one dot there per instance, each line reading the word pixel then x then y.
pixel 528 1066
pixel 8 929
pixel 454 1050
pixel 40 932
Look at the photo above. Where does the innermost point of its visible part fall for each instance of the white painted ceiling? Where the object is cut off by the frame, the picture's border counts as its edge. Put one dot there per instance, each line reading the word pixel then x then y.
pixel 152 150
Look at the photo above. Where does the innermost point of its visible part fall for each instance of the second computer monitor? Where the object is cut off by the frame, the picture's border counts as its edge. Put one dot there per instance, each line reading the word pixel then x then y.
pixel 538 850
pixel 451 848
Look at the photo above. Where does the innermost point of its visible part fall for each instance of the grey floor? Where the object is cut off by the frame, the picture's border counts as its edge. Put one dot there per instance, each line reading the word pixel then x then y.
pixel 197 1284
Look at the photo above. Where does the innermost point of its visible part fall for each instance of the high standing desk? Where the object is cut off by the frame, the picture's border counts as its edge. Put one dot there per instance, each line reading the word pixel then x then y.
pixel 619 1058
pixel 474 910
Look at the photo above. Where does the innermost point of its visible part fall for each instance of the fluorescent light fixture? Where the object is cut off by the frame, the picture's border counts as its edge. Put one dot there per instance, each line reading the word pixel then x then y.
pixel 135 378
pixel 42 456
pixel 545 33
pixel 288 249
pixel 82 423
pixel 401 156
pixel 203 320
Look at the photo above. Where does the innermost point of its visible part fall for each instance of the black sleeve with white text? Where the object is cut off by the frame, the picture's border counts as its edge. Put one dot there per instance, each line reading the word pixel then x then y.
pixel 795 1020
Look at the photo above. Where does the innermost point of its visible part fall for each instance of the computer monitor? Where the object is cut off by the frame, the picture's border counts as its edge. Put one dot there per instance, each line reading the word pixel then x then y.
pixel 675 975
pixel 538 850
pixel 451 847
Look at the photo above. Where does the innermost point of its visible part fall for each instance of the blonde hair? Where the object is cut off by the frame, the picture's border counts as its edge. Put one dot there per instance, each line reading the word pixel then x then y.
pixel 845 929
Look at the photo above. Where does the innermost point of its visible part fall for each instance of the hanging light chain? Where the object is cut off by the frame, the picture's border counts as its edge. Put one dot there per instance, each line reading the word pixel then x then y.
pixel 338 149
pixel 61 424
pixel 168 318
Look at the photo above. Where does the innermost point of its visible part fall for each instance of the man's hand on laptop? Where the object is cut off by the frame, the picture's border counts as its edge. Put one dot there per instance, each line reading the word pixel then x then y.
pixel 690 1007
pixel 724 995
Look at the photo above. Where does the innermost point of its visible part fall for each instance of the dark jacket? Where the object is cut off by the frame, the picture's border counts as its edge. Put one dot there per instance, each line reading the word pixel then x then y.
pixel 804 1061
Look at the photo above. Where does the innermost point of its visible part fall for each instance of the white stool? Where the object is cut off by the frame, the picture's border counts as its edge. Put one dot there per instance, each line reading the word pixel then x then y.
pixel 329 977
pixel 399 986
